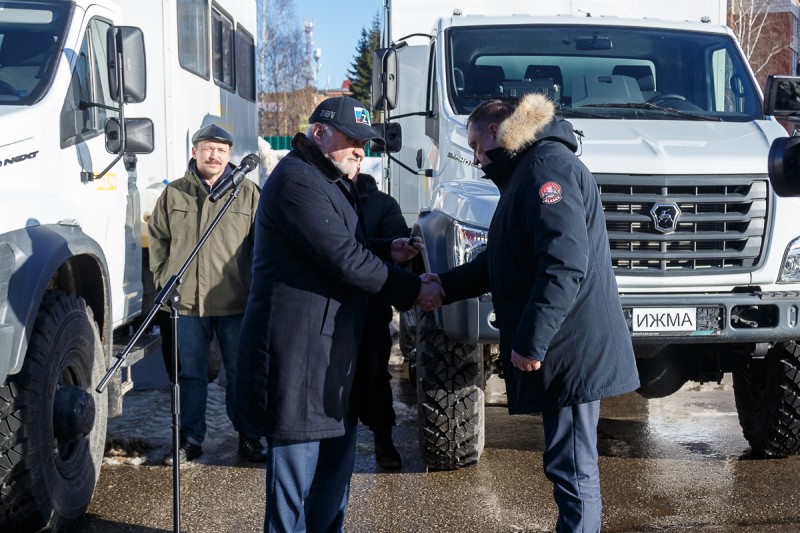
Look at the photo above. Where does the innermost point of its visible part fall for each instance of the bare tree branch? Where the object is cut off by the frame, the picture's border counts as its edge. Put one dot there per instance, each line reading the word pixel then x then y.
pixel 760 37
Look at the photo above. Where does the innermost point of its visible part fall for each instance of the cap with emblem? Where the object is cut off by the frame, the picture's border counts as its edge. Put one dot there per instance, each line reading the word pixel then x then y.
pixel 347 115
pixel 212 132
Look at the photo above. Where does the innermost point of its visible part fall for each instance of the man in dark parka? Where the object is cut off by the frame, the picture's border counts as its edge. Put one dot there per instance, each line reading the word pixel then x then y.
pixel 564 342
pixel 312 273
pixel 383 219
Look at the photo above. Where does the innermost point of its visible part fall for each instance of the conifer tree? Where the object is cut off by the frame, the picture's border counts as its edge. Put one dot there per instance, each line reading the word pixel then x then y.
pixel 360 72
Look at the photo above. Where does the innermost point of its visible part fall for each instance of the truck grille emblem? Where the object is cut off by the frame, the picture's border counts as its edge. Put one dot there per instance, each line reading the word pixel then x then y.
pixel 665 217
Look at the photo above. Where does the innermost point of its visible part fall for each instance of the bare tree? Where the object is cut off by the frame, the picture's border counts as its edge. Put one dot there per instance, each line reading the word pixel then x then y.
pixel 761 34
pixel 286 77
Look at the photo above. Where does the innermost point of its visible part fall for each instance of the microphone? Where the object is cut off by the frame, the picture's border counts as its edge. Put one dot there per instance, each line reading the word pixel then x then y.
pixel 249 162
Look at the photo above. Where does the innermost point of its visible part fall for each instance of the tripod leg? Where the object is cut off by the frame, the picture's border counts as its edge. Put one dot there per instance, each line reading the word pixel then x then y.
pixel 176 420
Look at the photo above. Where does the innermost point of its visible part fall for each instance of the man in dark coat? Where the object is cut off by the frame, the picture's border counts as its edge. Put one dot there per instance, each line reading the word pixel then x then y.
pixel 383 220
pixel 312 273
pixel 564 342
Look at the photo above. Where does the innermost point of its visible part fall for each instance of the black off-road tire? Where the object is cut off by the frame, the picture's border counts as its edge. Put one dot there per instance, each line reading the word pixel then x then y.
pixel 767 393
pixel 450 383
pixel 406 334
pixel 46 483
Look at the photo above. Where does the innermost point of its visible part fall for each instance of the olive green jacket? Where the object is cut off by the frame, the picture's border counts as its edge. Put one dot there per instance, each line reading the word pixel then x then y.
pixel 218 279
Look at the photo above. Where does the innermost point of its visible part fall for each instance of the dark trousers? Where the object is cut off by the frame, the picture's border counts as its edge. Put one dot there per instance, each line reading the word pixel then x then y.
pixel 373 380
pixel 308 483
pixel 194 341
pixel 570 463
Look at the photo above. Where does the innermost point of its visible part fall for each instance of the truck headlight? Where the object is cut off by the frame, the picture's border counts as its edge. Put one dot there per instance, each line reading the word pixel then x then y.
pixel 469 242
pixel 790 271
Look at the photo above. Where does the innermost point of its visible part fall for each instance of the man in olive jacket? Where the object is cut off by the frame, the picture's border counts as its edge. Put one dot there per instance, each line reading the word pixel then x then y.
pixel 312 273
pixel 564 342
pixel 214 289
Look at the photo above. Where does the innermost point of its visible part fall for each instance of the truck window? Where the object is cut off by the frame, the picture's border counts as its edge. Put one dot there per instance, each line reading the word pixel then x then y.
pixel 245 64
pixel 193 36
pixel 729 96
pixel 86 106
pixel 30 41
pixel 222 50
pixel 606 70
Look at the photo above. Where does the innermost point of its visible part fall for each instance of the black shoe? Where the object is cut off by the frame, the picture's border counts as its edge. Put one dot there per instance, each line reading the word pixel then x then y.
pixel 386 455
pixel 186 452
pixel 251 449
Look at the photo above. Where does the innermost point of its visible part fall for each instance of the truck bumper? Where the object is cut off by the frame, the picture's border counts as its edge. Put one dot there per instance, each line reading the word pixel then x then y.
pixel 718 318
pixel 470 321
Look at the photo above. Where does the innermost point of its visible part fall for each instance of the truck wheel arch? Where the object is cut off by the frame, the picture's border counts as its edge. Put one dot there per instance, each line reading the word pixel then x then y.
pixel 47 258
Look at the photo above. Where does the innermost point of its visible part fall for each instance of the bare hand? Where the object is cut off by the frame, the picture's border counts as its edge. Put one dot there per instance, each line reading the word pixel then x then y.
pixel 526 364
pixel 405 249
pixel 431 293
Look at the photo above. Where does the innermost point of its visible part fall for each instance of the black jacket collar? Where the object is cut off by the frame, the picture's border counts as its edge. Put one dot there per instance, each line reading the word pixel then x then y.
pixel 501 167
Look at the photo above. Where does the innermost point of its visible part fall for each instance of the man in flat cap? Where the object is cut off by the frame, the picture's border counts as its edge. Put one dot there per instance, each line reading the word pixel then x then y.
pixel 214 289
pixel 313 270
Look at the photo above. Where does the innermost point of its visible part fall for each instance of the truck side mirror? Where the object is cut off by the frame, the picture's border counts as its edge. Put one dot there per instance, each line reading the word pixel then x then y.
pixel 126 64
pixel 392 134
pixel 384 79
pixel 782 97
pixel 137 138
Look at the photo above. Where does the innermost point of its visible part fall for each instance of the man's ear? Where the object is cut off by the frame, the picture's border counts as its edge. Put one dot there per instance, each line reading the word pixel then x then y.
pixel 317 132
pixel 493 128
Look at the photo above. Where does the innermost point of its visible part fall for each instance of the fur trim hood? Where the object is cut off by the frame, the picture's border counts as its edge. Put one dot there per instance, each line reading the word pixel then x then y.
pixel 533 120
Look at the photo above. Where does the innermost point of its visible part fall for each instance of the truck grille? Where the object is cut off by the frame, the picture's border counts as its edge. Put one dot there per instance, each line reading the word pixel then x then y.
pixel 681 224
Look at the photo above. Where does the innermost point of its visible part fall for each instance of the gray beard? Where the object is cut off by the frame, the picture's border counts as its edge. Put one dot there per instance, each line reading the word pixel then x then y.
pixel 346 168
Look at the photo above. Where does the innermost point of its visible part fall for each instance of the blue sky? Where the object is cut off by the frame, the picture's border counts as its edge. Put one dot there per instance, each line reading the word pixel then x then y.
pixel 337 28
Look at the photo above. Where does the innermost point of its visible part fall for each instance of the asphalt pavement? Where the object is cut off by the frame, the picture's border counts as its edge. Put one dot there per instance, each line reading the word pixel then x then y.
pixel 673 464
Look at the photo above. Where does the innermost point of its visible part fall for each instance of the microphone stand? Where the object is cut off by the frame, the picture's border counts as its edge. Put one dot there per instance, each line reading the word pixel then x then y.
pixel 169 296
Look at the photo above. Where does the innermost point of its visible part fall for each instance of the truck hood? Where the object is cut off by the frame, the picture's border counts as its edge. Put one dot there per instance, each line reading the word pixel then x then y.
pixel 472 202
pixel 22 124
pixel 676 147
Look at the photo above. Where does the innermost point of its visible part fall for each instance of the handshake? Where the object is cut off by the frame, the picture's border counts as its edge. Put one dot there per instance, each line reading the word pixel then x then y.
pixel 431 293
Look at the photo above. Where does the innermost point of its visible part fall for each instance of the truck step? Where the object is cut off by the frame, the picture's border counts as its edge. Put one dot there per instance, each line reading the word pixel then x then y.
pixel 145 345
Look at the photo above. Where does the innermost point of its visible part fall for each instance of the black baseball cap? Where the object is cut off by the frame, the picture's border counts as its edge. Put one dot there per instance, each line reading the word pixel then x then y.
pixel 212 132
pixel 347 115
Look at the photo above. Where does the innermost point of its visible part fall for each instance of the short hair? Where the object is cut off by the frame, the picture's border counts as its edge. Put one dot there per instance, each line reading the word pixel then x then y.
pixel 490 111
pixel 310 130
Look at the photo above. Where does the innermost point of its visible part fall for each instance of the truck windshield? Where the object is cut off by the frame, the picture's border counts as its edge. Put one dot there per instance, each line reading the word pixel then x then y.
pixel 30 40
pixel 603 71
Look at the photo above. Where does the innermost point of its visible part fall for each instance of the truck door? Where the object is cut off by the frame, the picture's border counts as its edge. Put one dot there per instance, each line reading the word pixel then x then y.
pixel 107 207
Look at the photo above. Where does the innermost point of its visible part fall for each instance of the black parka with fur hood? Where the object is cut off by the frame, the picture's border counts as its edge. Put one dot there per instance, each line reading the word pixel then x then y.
pixel 548 267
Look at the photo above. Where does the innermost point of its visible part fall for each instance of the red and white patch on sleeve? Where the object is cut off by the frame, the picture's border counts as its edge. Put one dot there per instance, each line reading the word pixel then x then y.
pixel 550 192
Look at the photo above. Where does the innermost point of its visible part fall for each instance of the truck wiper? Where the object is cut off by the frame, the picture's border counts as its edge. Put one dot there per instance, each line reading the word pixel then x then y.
pixel 575 112
pixel 654 107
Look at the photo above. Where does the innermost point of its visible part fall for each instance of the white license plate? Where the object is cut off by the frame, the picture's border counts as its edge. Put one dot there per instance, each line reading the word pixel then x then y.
pixel 664 319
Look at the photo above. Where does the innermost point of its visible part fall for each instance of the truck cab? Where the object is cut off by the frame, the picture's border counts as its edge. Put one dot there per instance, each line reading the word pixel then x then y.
pixel 83 154
pixel 669 120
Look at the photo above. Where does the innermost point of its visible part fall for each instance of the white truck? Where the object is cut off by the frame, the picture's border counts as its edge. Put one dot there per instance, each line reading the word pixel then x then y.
pixel 73 194
pixel 670 122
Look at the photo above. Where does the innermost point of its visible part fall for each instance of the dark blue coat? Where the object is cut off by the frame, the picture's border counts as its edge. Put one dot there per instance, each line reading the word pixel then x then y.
pixel 312 273
pixel 548 267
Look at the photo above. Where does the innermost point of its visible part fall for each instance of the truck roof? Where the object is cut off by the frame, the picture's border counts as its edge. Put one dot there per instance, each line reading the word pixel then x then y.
pixel 420 16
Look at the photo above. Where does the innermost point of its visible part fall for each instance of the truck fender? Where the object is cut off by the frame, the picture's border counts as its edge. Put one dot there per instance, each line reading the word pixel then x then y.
pixel 38 258
pixel 435 229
